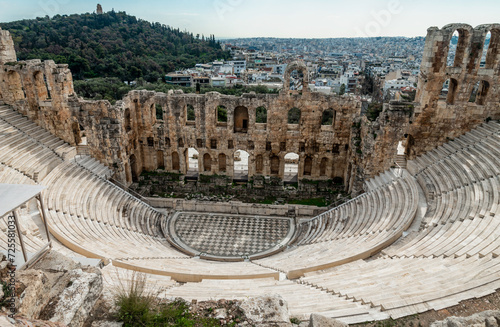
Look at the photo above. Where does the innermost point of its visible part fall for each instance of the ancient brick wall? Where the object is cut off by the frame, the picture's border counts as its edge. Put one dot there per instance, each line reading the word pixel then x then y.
pixel 437 117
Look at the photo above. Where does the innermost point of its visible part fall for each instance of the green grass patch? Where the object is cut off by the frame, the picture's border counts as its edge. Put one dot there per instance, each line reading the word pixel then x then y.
pixel 319 202
pixel 138 306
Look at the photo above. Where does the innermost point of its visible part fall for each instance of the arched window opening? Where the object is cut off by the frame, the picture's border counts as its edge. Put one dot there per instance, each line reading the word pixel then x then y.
pixel 241 165
pixel 294 116
pixel 452 49
pixel 486 46
pixel 240 120
pixel 482 93
pixel 259 164
pixel 160 159
pixel 291 173
pixel 275 165
pixel 134 168
pixel 445 89
pixel 192 162
pixel 190 114
pixel 180 142
pixel 493 49
pixel 327 118
pixel 41 89
pixel 308 166
pixel 296 80
pixel 127 120
pixel 261 115
pixel 159 112
pixel 473 94
pixel 175 161
pixel 153 111
pixel 452 91
pixel 207 162
pixel 222 162
pixel 167 142
pixel 449 90
pixel 221 114
pixel 322 167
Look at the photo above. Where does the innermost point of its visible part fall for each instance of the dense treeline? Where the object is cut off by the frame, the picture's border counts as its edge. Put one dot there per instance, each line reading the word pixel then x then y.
pixel 113 89
pixel 113 44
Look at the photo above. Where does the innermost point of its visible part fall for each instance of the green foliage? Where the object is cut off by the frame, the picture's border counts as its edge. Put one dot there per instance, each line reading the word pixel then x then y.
pixel 159 112
pixel 205 178
pixel 342 89
pixel 261 115
pixel 222 114
pixel 294 116
pixel 110 89
pixel 113 44
pixel 113 89
pixel 190 113
pixel 374 110
pixel 139 307
pixel 327 118
pixel 319 202
pixel 295 320
pixel 7 293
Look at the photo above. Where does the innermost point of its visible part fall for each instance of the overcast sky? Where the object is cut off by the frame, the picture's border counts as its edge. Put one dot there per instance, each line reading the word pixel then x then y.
pixel 279 18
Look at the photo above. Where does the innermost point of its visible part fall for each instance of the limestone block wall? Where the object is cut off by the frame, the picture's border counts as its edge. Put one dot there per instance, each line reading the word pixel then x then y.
pixel 43 92
pixel 151 139
pixel 148 130
pixel 7 51
pixel 439 117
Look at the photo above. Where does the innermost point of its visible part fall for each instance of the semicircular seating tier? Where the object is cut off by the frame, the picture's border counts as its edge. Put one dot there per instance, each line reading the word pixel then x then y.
pixel 450 253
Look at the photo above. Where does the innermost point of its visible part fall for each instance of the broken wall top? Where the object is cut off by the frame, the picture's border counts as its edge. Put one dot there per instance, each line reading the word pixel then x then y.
pixel 7 51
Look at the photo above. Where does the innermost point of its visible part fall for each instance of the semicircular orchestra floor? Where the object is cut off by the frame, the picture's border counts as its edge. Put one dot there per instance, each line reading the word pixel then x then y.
pixel 227 237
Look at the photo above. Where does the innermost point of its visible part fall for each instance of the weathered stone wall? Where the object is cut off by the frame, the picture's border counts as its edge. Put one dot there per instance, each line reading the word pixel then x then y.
pixel 153 142
pixel 7 51
pixel 43 92
pixel 148 130
pixel 438 118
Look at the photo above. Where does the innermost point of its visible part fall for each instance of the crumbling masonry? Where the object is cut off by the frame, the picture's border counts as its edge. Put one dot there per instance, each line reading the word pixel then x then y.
pixel 148 130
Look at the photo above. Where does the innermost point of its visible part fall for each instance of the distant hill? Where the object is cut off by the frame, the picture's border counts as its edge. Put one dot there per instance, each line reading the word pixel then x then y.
pixel 112 44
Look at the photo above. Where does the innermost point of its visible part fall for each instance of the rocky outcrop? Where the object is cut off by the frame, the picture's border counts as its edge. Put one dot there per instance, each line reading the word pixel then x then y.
pixel 482 319
pixel 270 310
pixel 59 290
pixel 317 320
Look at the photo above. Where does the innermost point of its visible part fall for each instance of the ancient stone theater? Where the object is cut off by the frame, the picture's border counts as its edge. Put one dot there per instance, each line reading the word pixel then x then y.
pixel 420 232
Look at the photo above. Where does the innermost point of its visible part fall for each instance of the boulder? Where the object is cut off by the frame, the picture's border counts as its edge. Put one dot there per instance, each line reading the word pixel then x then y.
pixel 266 310
pixel 33 286
pixel 317 320
pixel 482 319
pixel 54 261
pixel 74 304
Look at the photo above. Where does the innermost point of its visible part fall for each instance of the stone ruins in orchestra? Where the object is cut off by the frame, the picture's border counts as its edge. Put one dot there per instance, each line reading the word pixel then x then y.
pixel 417 235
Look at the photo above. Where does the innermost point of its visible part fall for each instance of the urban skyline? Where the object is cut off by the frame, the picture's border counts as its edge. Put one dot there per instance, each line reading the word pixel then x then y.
pixel 290 19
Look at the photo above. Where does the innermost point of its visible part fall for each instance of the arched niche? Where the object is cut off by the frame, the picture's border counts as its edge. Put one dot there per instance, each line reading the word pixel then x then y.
pixel 240 119
pixel 298 66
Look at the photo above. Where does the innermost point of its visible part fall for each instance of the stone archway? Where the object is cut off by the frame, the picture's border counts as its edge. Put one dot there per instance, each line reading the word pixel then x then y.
pixel 134 168
pixel 301 67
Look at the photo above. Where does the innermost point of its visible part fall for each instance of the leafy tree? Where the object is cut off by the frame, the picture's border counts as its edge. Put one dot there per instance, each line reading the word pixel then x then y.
pixel 222 114
pixel 342 89
pixel 294 116
pixel 261 115
pixel 113 44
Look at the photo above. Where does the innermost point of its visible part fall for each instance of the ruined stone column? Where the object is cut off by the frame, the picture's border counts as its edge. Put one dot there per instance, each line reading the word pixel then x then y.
pixel 7 51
